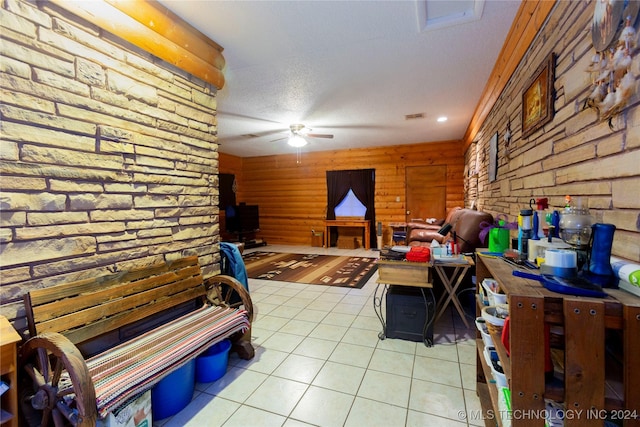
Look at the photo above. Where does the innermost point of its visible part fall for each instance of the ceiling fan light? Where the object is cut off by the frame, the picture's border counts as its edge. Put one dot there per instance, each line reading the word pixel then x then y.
pixel 297 141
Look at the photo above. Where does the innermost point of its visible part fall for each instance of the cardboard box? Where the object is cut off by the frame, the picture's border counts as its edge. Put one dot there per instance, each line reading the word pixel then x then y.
pixel 317 239
pixel 135 414
pixel 348 242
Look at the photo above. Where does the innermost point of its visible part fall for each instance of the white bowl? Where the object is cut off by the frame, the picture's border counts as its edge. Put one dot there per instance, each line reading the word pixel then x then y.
pixel 494 298
pixel 482 327
pixel 499 377
pixel 495 314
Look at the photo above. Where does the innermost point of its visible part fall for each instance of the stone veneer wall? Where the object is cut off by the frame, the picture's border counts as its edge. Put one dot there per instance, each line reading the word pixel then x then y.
pixel 575 154
pixel 108 156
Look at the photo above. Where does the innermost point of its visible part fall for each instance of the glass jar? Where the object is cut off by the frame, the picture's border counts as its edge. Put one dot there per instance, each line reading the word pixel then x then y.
pixel 575 226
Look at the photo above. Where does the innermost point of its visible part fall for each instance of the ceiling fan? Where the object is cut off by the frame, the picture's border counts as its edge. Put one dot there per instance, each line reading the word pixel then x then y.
pixel 298 134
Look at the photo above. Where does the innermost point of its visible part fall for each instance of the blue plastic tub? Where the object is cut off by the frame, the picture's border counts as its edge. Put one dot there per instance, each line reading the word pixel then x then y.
pixel 174 392
pixel 212 364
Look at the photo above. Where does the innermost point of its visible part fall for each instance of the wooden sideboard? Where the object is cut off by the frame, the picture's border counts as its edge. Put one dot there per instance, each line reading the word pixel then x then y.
pixel 596 348
pixel 328 223
pixel 9 339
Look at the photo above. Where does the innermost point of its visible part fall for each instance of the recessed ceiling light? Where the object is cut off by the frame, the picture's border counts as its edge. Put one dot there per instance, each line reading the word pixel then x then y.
pixel 442 119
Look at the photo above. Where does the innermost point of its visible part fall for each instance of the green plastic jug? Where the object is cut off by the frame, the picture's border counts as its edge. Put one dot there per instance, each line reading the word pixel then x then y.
pixel 499 239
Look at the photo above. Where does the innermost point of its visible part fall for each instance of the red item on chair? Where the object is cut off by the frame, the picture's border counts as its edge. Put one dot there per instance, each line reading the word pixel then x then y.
pixel 419 254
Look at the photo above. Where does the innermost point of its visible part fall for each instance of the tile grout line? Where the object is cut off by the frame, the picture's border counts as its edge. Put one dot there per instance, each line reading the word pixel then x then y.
pixel 358 321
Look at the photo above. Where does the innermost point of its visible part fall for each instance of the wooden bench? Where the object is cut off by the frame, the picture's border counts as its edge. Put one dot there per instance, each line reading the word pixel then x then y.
pixel 97 343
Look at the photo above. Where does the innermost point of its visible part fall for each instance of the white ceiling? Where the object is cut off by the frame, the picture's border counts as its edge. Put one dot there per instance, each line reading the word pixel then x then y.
pixel 353 69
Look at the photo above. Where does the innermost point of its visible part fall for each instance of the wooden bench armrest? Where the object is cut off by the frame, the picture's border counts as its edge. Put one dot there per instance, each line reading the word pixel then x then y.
pixel 228 291
pixel 45 357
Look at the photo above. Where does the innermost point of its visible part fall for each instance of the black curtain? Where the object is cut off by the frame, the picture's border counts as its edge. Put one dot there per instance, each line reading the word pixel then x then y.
pixel 363 183
pixel 227 197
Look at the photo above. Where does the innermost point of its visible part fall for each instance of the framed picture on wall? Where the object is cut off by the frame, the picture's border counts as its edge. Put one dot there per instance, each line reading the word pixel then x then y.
pixel 493 158
pixel 538 97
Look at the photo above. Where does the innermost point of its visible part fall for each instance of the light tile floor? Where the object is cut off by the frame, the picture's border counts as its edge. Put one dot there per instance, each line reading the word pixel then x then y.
pixel 319 362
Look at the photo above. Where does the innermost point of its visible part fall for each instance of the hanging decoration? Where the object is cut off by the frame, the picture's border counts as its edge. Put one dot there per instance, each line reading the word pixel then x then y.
pixel 507 139
pixel 298 156
pixel 613 82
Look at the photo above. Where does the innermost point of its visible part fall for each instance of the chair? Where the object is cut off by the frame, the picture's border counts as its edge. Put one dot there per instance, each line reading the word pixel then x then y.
pixel 399 237
pixel 464 222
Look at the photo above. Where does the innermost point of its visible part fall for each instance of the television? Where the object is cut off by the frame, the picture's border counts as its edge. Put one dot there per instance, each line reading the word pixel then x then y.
pixel 242 219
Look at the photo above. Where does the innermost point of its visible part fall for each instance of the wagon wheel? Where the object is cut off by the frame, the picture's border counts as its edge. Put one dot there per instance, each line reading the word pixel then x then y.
pixel 49 359
pixel 227 291
pixel 223 290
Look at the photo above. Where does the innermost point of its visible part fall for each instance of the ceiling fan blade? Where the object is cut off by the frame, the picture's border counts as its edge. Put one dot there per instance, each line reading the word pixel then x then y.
pixel 358 126
pixel 279 139
pixel 318 135
pixel 252 135
pixel 243 116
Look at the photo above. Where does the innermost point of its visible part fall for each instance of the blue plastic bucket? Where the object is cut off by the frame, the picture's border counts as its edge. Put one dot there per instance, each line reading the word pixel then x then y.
pixel 212 364
pixel 174 392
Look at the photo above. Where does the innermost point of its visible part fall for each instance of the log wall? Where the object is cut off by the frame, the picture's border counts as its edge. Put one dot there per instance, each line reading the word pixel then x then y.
pixel 293 197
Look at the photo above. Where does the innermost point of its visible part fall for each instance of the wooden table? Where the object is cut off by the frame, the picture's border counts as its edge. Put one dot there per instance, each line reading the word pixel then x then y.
pixel 403 273
pixel 451 282
pixel 347 223
pixel 418 274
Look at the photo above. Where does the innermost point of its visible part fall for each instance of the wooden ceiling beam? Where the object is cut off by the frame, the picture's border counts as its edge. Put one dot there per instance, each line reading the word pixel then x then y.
pixel 529 19
pixel 152 27
pixel 169 25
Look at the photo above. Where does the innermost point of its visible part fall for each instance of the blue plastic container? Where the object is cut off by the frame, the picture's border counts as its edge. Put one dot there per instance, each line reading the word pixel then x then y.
pixel 174 392
pixel 212 364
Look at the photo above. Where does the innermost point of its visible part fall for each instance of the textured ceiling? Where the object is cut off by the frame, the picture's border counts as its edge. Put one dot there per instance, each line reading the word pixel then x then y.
pixel 353 69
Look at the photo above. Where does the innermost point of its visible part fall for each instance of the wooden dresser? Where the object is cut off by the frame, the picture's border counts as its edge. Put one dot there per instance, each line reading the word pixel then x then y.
pixel 9 340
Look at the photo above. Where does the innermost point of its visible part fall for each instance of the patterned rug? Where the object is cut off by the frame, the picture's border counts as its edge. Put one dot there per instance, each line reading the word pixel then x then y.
pixel 345 271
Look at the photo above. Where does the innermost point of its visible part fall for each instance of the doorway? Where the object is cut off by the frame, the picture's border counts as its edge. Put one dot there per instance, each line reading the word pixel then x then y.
pixel 426 192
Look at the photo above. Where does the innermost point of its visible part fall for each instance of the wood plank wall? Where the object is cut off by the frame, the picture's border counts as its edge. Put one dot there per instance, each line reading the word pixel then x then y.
pixel 293 197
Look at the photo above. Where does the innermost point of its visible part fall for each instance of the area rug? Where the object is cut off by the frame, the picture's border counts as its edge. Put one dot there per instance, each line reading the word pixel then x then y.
pixel 330 270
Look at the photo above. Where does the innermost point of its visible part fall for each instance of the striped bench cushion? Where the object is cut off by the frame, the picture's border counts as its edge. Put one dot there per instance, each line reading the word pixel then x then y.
pixel 125 371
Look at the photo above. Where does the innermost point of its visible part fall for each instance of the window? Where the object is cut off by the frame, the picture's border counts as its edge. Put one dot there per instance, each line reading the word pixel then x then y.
pixel 359 182
pixel 350 206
